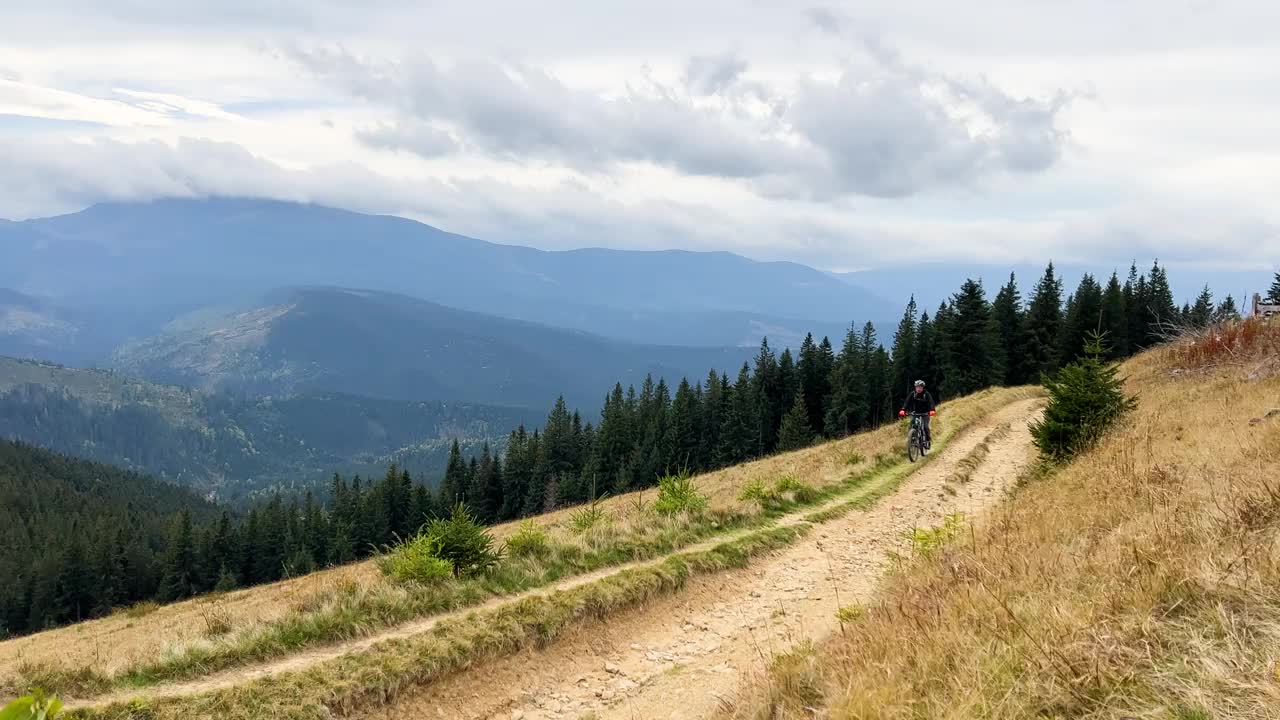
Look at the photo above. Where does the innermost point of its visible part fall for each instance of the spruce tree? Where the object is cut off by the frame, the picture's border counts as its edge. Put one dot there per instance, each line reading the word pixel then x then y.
pixel 906 363
pixel 1202 311
pixel 180 571
pixel 872 378
pixel 848 404
pixel 683 428
pixel 486 489
pixel 927 357
pixel 713 415
pixel 1162 315
pixel 815 379
pixel 1008 313
pixel 795 432
pixel 453 488
pixel 1115 319
pixel 973 355
pixel 75 599
pixel 1085 399
pixel 1273 294
pixel 1227 310
pixel 1044 324
pixel 1135 304
pixel 1084 313
pixel 768 395
pixel 739 438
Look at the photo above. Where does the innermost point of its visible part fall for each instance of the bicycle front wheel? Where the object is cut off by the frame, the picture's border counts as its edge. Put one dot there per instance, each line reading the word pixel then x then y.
pixel 913 446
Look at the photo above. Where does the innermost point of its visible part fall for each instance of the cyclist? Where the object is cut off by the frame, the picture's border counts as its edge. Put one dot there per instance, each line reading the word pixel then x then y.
pixel 920 401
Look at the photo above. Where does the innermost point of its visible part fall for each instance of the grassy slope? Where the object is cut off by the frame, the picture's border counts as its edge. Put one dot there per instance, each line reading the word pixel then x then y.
pixel 1143 580
pixel 343 684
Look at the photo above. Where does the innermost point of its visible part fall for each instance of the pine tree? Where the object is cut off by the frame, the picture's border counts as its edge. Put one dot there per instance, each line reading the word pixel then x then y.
pixel 1084 313
pixel 906 364
pixel 1115 319
pixel 815 379
pixel 1044 324
pixel 1274 293
pixel 880 394
pixel 180 571
pixel 973 355
pixel 714 411
pixel 1161 314
pixel 768 395
pixel 795 432
pixel 1007 310
pixel 1135 304
pixel 453 488
pixel 873 380
pixel 1085 399
pixel 848 406
pixel 928 368
pixel 683 428
pixel 1201 314
pixel 74 585
pixel 1227 310
pixel 487 490
pixel 739 437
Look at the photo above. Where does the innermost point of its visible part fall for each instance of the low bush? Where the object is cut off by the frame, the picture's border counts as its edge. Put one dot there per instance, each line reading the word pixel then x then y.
pixel 530 540
pixel 678 494
pixel 417 561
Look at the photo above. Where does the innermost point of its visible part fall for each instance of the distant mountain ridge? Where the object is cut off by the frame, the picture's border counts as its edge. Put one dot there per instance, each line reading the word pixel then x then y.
pixel 385 345
pixel 176 255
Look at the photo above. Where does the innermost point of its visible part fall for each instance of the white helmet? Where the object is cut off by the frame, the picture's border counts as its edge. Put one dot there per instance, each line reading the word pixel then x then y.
pixel 919 383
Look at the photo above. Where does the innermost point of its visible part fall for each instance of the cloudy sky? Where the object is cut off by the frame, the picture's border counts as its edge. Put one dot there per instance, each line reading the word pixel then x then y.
pixel 842 135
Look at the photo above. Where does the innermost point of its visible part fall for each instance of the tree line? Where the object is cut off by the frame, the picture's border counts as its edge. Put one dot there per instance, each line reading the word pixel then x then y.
pixel 775 403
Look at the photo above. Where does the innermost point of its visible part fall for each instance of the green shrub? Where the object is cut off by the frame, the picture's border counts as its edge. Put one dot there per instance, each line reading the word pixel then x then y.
pixel 529 540
pixel 755 491
pixel 1085 399
pixel 585 518
pixel 454 547
pixel 32 707
pixel 418 561
pixel 925 542
pixel 677 494
pixel 465 543
pixel 800 492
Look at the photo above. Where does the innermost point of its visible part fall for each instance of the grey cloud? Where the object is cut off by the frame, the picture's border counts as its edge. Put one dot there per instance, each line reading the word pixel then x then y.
pixel 415 137
pixel 825 19
pixel 712 74
pixel 878 132
pixel 520 112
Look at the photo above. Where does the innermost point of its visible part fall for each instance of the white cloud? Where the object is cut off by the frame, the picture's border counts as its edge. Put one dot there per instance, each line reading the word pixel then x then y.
pixel 844 134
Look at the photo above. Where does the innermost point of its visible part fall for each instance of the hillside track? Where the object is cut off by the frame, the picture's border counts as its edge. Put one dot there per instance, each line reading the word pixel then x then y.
pixel 685 656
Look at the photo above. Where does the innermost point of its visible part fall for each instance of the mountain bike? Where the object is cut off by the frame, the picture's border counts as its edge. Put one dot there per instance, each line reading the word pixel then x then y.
pixel 915 437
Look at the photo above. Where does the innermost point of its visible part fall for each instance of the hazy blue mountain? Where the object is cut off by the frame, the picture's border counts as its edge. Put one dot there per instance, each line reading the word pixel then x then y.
pixel 933 282
pixel 229 445
pixel 391 346
pixel 171 256
pixel 39 328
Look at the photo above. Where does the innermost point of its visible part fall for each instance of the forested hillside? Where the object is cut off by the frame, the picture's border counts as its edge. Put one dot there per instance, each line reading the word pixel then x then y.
pixel 230 445
pixel 375 344
pixel 781 402
pixel 777 403
pixel 80 538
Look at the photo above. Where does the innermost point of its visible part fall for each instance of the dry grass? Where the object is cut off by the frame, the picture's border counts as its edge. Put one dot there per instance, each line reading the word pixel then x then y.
pixel 1252 342
pixel 1141 581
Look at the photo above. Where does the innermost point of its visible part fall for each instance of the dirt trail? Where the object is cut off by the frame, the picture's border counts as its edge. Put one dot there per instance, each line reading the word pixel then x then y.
pixel 682 657
pixel 904 516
